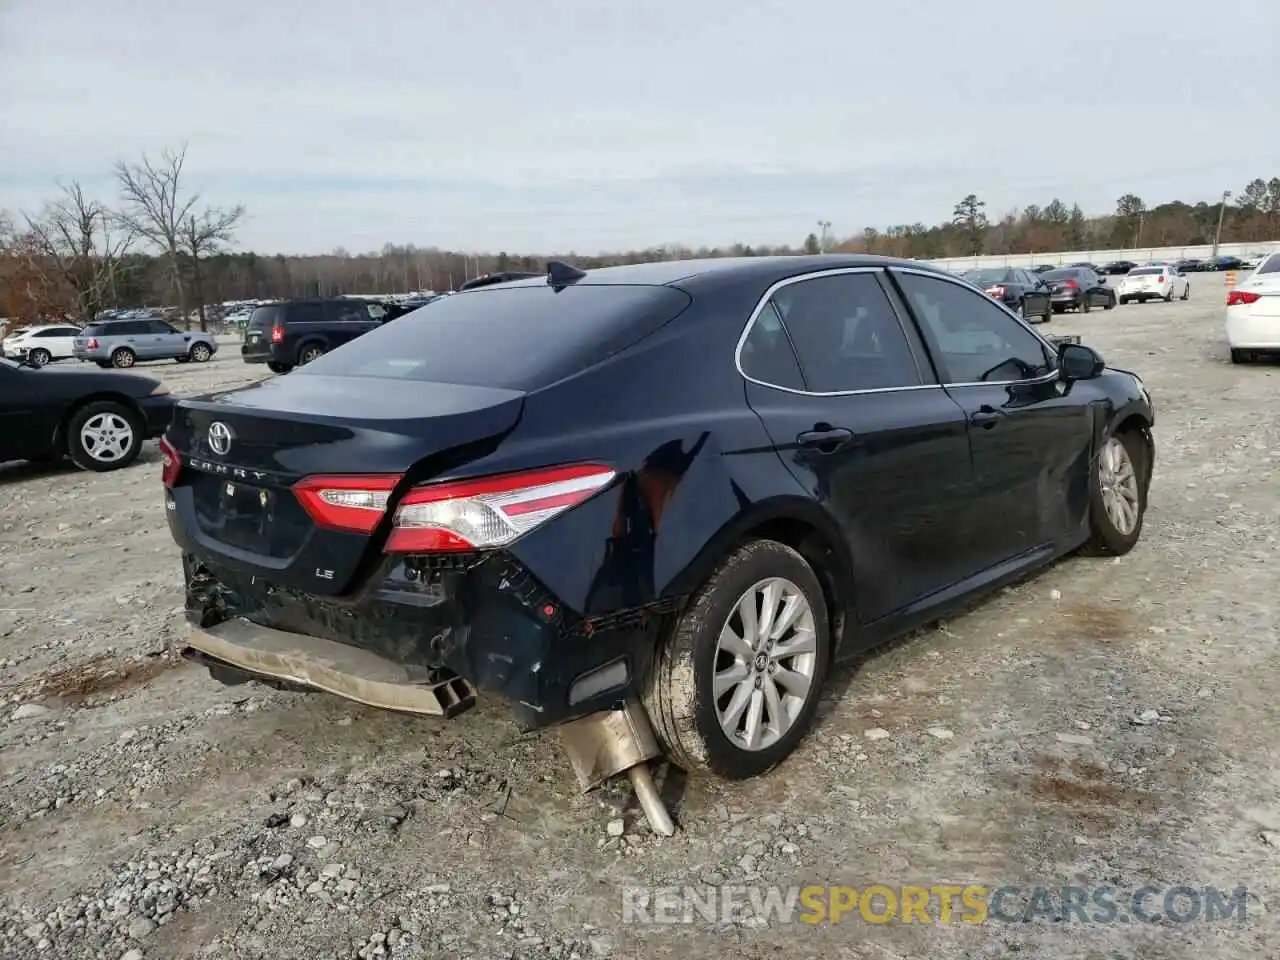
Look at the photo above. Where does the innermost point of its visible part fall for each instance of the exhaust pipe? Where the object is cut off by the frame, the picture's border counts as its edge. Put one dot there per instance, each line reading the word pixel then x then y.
pixel 605 744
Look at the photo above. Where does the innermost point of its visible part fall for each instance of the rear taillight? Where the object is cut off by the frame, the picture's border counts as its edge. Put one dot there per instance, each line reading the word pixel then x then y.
pixel 1071 285
pixel 1160 279
pixel 92 344
pixel 171 463
pixel 1236 298
pixel 997 292
pixel 277 334
pixel 452 516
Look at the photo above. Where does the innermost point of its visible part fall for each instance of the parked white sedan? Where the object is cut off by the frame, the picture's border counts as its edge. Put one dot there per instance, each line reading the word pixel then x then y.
pixel 41 345
pixel 1253 312
pixel 1157 281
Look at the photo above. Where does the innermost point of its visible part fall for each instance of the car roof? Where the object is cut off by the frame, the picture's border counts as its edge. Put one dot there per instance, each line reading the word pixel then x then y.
pixel 764 269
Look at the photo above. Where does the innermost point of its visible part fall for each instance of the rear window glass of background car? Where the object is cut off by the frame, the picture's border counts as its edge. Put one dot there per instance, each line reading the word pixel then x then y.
pixel 264 318
pixel 1051 275
pixel 516 338
pixel 1145 272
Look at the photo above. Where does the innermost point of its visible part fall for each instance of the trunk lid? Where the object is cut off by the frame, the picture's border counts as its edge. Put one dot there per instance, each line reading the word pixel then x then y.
pixel 242 452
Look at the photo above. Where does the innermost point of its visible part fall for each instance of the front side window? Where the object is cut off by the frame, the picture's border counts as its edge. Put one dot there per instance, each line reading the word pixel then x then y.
pixel 978 342
pixel 846 334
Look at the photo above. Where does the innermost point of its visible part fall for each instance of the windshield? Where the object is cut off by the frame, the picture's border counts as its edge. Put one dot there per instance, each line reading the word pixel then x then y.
pixel 1145 271
pixel 990 275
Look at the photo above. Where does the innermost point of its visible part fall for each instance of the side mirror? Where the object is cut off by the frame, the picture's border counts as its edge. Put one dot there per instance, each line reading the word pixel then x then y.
pixel 1078 362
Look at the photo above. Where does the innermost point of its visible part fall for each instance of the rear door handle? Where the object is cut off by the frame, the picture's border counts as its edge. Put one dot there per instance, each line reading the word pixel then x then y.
pixel 986 417
pixel 825 441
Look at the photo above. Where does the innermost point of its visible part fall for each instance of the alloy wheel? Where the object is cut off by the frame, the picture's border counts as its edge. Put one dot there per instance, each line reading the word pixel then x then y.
pixel 1119 484
pixel 765 662
pixel 106 437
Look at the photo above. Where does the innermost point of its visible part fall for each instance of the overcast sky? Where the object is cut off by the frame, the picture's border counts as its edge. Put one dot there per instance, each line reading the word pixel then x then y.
pixel 557 125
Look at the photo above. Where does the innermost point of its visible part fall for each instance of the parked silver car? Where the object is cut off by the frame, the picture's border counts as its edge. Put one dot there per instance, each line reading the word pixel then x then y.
pixel 122 343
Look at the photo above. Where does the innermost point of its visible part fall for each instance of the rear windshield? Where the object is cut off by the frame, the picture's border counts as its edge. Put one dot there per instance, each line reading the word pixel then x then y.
pixel 263 318
pixel 517 338
pixel 1060 275
pixel 94 330
pixel 1145 271
pixel 997 275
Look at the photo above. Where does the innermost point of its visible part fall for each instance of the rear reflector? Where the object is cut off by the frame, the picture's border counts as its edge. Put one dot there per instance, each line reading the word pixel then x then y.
pixel 170 464
pixel 452 516
pixel 1237 297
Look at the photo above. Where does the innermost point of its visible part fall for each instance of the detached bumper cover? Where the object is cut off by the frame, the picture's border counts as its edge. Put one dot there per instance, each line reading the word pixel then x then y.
pixel 337 668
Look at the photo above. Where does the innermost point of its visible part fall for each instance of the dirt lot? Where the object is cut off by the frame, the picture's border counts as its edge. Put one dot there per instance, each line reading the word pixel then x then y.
pixel 1108 722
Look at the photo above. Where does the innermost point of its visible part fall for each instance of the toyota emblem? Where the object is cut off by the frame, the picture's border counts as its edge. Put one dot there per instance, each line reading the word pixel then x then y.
pixel 220 438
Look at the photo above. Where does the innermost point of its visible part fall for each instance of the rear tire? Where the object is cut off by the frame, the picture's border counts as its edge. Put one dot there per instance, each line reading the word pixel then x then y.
pixel 200 353
pixel 122 358
pixel 714 646
pixel 1239 356
pixel 103 436
pixel 1124 301
pixel 39 357
pixel 1118 484
pixel 310 352
pixel 1085 306
pixel 1186 293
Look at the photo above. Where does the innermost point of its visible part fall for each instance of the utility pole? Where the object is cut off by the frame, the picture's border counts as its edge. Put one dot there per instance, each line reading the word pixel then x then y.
pixel 823 227
pixel 1222 211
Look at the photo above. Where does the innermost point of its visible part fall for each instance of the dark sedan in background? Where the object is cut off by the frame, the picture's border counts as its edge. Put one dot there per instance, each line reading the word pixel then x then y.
pixel 1118 268
pixel 98 419
pixel 655 502
pixel 1020 290
pixel 1078 288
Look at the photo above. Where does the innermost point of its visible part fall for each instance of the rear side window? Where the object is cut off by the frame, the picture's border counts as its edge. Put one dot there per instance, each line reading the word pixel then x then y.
pixel 846 334
pixel 305 313
pixel 264 318
pixel 517 338
pixel 767 356
pixel 1270 265
pixel 346 311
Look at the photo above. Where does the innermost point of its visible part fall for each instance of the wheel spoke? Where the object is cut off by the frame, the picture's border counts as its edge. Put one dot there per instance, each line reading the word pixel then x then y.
pixel 790 612
pixel 730 677
pixel 801 642
pixel 731 643
pixel 779 719
pixel 794 682
pixel 755 716
pixel 750 622
pixel 770 596
pixel 737 704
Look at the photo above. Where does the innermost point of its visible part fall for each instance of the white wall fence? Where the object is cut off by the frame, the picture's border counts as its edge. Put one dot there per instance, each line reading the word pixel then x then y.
pixel 1100 257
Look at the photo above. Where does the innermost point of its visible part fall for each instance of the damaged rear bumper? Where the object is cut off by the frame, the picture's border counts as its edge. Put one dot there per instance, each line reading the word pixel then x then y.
pixel 424 638
pixel 318 664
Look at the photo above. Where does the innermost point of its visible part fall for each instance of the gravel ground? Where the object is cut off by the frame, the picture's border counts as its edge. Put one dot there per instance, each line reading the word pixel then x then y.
pixel 1108 722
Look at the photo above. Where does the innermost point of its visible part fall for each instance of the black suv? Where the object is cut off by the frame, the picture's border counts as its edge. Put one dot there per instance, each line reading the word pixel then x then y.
pixel 295 332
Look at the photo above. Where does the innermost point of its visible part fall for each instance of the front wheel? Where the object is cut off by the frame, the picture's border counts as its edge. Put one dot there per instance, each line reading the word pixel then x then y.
pixel 1117 495
pixel 123 358
pixel 736 682
pixel 104 436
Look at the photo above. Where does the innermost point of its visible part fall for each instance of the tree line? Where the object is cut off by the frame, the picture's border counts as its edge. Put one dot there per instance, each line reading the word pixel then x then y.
pixel 160 244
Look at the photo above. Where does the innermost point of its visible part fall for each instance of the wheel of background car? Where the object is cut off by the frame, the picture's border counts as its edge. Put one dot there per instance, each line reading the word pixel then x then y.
pixel 310 352
pixel 737 680
pixel 104 435
pixel 1239 356
pixel 1168 295
pixel 1111 302
pixel 1117 495
pixel 123 357
pixel 275 367
pixel 200 352
pixel 1085 306
pixel 39 356
pixel 1186 292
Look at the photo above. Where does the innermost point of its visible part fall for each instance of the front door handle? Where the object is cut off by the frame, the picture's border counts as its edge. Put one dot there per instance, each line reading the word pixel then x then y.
pixel 828 440
pixel 986 417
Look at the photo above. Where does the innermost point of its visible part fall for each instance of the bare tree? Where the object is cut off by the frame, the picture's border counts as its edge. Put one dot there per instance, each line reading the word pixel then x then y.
pixel 79 242
pixel 203 235
pixel 157 209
